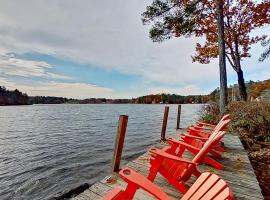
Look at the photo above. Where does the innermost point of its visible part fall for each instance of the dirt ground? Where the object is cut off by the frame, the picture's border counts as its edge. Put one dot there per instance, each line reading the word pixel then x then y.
pixel 259 155
pixel 260 161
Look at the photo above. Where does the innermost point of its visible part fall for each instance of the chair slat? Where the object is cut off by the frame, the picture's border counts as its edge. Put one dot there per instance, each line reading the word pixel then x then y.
pixel 201 180
pixel 226 194
pixel 205 187
pixel 215 190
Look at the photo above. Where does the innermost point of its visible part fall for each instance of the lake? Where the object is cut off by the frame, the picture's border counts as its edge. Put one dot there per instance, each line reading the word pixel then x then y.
pixel 46 150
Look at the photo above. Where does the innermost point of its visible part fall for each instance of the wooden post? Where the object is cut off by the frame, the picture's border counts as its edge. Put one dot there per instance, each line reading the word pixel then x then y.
pixel 164 124
pixel 178 117
pixel 119 142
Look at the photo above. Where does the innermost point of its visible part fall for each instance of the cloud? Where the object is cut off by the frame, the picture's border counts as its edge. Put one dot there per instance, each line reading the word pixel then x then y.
pixel 186 90
pixel 60 89
pixel 82 90
pixel 105 34
pixel 10 65
pixel 108 34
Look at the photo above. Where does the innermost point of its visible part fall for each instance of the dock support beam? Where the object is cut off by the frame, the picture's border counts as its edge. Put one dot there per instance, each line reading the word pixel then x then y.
pixel 119 142
pixel 164 124
pixel 178 117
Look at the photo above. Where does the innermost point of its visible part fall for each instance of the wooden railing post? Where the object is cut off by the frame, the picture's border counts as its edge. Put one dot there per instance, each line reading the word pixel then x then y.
pixel 178 117
pixel 164 124
pixel 119 142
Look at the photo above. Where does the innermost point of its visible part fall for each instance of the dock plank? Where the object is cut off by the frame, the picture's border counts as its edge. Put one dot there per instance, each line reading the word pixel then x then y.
pixel 238 173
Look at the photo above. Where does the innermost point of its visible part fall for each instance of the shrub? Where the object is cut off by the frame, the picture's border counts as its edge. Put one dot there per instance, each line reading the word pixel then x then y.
pixel 210 113
pixel 251 120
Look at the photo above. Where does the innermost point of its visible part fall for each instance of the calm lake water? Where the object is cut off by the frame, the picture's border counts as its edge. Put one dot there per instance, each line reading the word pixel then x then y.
pixel 46 150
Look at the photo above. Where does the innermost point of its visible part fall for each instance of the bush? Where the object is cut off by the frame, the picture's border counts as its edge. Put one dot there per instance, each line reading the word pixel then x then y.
pixel 210 113
pixel 251 120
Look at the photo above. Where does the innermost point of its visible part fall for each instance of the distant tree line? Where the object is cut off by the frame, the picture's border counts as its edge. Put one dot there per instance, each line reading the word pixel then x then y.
pixel 254 90
pixel 15 97
pixel 171 99
pixel 18 98
pixel 62 100
pixel 47 100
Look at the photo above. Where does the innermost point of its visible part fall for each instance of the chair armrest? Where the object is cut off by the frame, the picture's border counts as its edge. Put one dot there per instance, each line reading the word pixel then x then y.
pixel 131 176
pixel 205 124
pixel 204 128
pixel 200 131
pixel 195 137
pixel 182 143
pixel 164 154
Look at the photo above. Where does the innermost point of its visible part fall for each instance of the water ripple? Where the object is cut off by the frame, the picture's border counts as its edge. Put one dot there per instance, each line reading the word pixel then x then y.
pixel 46 150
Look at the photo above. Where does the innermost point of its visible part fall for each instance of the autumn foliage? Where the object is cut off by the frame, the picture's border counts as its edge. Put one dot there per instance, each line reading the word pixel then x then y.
pixel 172 18
pixel 240 18
pixel 259 87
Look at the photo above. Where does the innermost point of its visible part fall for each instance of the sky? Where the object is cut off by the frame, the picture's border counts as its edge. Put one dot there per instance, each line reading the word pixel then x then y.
pixel 89 48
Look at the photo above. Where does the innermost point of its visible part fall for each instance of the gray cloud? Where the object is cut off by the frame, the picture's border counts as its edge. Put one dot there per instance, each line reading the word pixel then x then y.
pixel 10 65
pixel 108 34
pixel 60 89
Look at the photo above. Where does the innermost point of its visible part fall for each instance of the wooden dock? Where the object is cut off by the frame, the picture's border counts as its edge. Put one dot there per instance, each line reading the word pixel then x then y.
pixel 238 173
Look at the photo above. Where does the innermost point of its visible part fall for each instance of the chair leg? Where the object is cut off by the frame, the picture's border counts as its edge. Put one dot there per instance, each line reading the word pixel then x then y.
pixel 218 148
pixel 155 165
pixel 213 163
pixel 196 172
pixel 181 151
pixel 178 184
pixel 215 154
pixel 222 144
pixel 130 190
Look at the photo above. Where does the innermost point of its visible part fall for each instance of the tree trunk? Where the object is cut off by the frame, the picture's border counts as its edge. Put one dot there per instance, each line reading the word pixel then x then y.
pixel 222 59
pixel 242 86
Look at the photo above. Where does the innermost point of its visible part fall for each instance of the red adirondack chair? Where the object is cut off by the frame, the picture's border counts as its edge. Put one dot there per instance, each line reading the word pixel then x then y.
pixel 198 141
pixel 207 187
pixel 202 134
pixel 176 169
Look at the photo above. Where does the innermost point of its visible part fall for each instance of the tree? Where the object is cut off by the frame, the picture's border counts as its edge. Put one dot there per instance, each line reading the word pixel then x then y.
pixel 188 17
pixel 182 22
pixel 222 59
pixel 241 17
pixel 266 53
pixel 15 97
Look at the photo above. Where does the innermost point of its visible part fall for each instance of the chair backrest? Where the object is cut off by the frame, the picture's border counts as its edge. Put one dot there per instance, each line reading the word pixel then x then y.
pixel 207 147
pixel 225 117
pixel 200 156
pixel 215 140
pixel 209 187
pixel 220 127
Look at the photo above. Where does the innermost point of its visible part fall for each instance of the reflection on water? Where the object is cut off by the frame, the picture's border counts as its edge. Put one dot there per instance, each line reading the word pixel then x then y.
pixel 49 149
